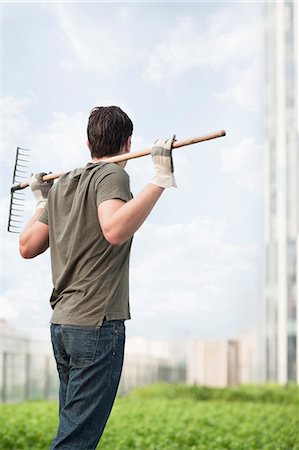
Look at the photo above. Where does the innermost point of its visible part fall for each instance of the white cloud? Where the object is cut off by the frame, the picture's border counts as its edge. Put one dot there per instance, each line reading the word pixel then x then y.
pixel 15 125
pixel 244 162
pixel 230 43
pixel 60 145
pixel 244 86
pixel 191 269
pixel 93 44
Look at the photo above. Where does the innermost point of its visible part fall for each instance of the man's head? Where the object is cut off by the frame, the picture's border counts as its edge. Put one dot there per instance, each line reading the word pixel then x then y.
pixel 108 131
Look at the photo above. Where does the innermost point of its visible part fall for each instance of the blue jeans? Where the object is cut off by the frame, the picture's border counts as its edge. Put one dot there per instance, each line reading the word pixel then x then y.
pixel 89 363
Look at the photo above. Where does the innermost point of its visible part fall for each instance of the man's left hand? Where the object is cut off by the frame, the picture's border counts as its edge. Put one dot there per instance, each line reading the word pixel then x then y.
pixel 40 188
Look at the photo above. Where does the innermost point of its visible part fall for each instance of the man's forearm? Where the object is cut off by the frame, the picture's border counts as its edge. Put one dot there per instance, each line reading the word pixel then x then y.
pixel 34 237
pixel 126 220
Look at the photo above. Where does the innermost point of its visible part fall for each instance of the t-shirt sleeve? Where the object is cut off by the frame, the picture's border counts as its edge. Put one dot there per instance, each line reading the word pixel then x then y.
pixel 113 184
pixel 44 216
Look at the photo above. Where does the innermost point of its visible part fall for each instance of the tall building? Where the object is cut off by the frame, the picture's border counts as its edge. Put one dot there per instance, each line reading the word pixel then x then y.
pixel 280 312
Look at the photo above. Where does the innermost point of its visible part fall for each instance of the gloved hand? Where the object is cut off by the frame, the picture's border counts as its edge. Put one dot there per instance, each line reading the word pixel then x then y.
pixel 40 188
pixel 162 159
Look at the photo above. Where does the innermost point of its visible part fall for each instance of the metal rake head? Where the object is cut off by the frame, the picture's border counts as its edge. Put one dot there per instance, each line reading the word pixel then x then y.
pixel 17 199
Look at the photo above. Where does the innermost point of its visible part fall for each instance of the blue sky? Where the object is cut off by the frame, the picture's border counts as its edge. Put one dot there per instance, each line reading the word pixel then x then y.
pixel 183 68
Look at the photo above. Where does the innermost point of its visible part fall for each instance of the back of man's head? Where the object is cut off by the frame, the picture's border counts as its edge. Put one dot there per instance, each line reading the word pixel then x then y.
pixel 108 130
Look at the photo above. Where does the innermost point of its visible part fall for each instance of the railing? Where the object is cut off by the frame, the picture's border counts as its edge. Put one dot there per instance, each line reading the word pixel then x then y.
pixel 28 370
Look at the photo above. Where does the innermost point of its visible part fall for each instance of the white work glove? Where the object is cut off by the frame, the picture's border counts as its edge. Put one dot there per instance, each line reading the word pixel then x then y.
pixel 163 163
pixel 40 188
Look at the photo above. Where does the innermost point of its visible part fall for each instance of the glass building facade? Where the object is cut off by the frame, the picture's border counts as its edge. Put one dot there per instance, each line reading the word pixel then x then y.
pixel 280 311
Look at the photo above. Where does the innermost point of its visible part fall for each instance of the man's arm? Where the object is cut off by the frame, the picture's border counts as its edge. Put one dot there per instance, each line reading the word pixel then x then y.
pixel 119 220
pixel 34 239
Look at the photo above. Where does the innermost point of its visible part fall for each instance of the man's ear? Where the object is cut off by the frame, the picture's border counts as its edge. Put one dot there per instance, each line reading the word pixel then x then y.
pixel 127 146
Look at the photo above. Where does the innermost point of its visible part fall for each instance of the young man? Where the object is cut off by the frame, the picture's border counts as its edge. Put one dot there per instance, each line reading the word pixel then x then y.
pixel 88 219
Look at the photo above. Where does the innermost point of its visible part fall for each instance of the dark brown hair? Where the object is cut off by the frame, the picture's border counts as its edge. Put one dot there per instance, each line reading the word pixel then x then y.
pixel 108 130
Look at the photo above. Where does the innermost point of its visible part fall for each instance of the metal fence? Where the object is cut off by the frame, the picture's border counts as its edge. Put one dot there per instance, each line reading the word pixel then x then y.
pixel 28 370
pixel 141 370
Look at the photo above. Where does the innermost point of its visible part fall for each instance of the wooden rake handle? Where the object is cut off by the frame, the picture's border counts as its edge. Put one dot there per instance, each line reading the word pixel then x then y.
pixel 133 155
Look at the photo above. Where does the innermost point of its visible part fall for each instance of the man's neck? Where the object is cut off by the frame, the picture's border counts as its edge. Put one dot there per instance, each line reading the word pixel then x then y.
pixel 106 158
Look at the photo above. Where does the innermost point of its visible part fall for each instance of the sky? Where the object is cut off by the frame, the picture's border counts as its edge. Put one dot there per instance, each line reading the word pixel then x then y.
pixel 175 68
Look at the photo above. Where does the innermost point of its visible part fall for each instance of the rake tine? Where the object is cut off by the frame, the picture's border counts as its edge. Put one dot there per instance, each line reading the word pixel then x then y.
pixel 17 204
pixel 21 199
pixel 19 194
pixel 23 151
pixel 22 165
pixel 17 221
pixel 16 196
pixel 19 179
pixel 22 171
pixel 19 210
pixel 14 226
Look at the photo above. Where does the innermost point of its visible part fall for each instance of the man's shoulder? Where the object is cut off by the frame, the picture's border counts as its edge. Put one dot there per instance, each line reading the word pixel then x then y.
pixel 74 174
pixel 104 169
pixel 92 173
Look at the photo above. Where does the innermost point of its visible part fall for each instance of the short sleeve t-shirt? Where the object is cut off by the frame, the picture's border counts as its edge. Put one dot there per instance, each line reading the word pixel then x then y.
pixel 90 276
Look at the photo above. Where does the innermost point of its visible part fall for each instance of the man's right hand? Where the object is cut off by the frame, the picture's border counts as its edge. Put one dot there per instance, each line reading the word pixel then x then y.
pixel 40 189
pixel 163 163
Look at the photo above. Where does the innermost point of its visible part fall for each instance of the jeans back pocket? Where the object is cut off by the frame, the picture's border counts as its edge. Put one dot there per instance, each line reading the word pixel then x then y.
pixel 80 344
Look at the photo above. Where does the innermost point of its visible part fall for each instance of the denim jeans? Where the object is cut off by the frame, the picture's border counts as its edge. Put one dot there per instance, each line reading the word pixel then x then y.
pixel 89 363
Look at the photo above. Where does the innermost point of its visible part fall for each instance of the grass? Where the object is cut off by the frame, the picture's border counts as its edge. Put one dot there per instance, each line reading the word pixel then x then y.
pixel 173 417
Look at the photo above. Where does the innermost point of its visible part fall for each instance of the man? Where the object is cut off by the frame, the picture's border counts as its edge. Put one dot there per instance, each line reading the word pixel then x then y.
pixel 88 219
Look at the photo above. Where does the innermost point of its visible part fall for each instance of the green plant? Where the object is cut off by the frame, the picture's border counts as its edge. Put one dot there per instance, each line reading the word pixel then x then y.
pixel 172 417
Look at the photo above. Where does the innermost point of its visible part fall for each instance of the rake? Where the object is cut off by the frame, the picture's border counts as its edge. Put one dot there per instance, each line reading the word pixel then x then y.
pixel 22 156
pixel 17 199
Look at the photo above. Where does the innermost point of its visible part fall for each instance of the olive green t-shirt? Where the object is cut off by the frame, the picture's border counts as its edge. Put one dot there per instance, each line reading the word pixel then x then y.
pixel 90 276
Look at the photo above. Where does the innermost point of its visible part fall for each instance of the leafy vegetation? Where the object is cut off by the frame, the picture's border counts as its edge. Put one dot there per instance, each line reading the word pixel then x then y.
pixel 173 417
pixel 269 393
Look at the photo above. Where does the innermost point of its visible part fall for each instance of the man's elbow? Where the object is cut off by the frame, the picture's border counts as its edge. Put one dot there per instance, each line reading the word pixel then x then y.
pixel 23 248
pixel 35 241
pixel 115 238
pixel 25 252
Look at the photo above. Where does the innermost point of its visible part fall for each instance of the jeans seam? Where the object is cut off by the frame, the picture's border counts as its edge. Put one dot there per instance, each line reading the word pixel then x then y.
pixel 97 330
